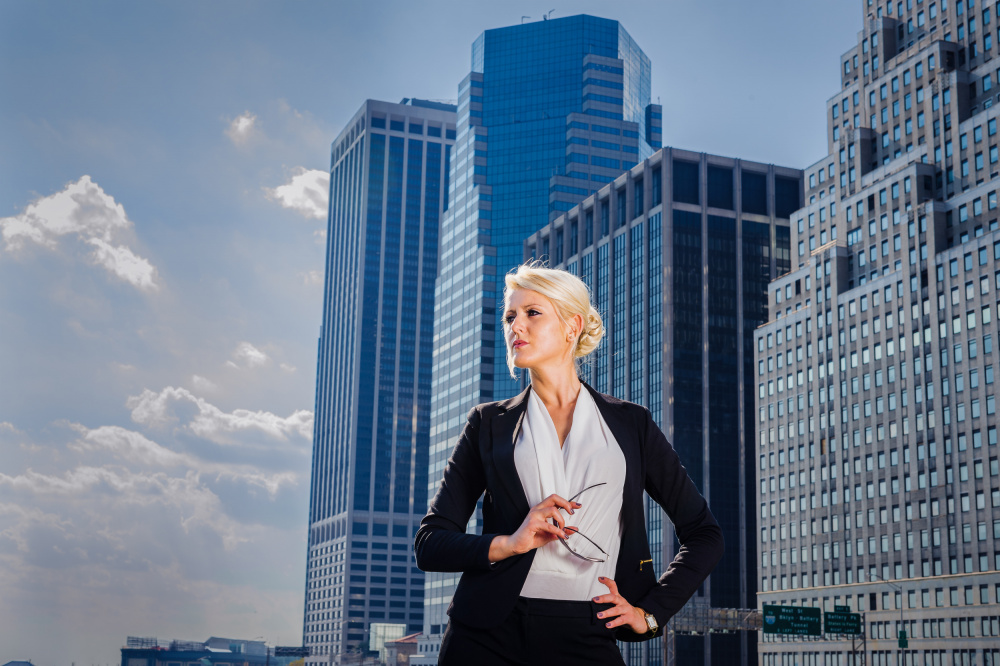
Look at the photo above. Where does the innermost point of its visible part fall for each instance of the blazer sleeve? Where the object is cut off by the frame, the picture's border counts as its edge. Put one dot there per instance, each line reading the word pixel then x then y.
pixel 700 537
pixel 441 543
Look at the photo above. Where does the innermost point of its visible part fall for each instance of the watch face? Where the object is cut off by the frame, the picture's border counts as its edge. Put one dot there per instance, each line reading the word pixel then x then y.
pixel 651 621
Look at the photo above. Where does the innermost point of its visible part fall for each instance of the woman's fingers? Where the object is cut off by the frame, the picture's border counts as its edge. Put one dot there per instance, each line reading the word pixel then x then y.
pixel 611 585
pixel 557 501
pixel 622 612
pixel 554 514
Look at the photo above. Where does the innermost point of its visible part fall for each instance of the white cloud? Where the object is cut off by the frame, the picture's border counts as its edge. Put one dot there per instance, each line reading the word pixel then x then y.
pixel 311 277
pixel 203 384
pixel 250 356
pixel 306 193
pixel 158 409
pixel 124 263
pixel 133 447
pixel 198 505
pixel 83 210
pixel 241 128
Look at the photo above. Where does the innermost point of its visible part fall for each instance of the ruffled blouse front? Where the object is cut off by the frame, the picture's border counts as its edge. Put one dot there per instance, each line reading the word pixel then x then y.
pixel 589 456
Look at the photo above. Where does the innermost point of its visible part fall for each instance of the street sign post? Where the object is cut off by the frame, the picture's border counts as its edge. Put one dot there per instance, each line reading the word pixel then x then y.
pixel 841 623
pixel 792 620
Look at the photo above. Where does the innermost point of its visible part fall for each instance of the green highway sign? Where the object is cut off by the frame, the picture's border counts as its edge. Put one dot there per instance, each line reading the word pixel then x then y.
pixel 903 643
pixel 842 623
pixel 792 620
pixel 842 609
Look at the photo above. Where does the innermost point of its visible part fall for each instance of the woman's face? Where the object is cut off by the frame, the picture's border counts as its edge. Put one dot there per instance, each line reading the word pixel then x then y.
pixel 536 336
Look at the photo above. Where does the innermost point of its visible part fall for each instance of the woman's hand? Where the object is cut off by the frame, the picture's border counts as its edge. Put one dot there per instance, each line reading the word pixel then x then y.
pixel 535 529
pixel 623 613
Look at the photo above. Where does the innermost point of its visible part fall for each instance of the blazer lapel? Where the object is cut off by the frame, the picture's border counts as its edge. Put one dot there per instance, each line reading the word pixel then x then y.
pixel 505 429
pixel 627 442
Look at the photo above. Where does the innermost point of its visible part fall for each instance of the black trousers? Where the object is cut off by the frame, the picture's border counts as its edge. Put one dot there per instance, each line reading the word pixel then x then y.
pixel 540 632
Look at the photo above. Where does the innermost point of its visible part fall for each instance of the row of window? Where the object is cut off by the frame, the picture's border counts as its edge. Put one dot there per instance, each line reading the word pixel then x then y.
pixel 826 578
pixel 832 550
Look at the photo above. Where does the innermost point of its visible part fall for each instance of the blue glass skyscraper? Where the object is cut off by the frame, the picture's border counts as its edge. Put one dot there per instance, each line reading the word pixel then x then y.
pixel 550 112
pixel 388 180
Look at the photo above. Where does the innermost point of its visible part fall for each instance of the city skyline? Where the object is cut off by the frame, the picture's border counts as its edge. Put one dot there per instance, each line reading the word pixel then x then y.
pixel 160 257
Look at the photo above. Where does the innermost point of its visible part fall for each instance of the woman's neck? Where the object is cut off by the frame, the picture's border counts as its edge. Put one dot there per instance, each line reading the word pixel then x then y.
pixel 556 387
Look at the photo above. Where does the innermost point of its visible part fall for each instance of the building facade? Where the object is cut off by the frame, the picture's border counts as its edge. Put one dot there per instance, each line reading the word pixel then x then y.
pixel 550 112
pixel 151 651
pixel 388 181
pixel 875 425
pixel 678 253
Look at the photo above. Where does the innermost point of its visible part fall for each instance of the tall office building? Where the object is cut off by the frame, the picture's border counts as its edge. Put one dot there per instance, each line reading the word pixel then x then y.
pixel 678 253
pixel 388 179
pixel 876 429
pixel 550 112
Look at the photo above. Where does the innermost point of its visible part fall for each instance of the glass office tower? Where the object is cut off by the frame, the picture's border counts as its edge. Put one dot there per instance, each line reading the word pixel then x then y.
pixel 388 181
pixel 876 426
pixel 527 148
pixel 678 253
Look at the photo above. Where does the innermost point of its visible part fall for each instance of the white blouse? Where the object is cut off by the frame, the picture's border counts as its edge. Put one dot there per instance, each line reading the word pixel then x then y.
pixel 590 455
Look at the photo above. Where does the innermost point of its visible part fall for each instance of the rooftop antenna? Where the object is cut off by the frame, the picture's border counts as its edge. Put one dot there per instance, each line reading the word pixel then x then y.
pixel 522 19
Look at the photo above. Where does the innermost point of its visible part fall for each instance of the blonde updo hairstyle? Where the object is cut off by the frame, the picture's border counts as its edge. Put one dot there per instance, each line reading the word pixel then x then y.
pixel 569 295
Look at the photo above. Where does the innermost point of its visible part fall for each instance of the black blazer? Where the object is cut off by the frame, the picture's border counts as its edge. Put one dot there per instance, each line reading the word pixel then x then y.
pixel 483 461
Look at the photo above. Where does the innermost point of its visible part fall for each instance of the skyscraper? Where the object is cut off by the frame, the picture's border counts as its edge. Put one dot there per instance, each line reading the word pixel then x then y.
pixel 388 180
pixel 526 150
pixel 678 253
pixel 876 429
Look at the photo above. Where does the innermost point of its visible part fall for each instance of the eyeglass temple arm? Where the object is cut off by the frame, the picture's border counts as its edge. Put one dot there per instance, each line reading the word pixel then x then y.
pixel 602 483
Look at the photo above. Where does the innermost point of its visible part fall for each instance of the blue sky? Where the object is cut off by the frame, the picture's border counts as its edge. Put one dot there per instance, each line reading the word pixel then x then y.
pixel 162 220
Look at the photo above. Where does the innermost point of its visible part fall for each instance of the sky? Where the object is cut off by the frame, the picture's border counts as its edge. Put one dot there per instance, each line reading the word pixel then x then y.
pixel 162 228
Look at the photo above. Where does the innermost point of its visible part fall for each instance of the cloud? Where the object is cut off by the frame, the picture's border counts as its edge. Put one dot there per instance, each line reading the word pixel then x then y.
pixel 249 356
pixel 288 368
pixel 209 422
pixel 242 128
pixel 311 277
pixel 307 193
pixel 83 210
pixel 7 426
pixel 203 384
pixel 125 264
pixel 198 505
pixel 133 447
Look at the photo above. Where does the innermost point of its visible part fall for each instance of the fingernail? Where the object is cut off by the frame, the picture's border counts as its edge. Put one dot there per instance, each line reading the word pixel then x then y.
pixel 608 625
pixel 596 598
pixel 600 615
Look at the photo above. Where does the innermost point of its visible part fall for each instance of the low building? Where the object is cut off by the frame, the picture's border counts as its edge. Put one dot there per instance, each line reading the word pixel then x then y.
pixel 150 651
pixel 398 652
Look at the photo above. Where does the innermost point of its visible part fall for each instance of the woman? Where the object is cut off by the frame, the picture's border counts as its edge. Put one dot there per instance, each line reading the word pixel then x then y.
pixel 563 567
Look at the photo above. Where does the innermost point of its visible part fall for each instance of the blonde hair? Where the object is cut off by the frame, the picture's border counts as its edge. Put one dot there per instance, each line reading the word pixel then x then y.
pixel 569 295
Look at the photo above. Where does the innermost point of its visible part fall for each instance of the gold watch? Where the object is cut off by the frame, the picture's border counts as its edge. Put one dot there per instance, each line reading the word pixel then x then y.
pixel 650 621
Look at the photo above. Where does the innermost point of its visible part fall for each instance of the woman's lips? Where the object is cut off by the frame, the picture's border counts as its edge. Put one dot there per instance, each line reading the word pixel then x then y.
pixel 518 344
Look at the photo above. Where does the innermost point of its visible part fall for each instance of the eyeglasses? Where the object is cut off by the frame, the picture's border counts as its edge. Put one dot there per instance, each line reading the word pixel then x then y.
pixel 588 553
